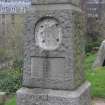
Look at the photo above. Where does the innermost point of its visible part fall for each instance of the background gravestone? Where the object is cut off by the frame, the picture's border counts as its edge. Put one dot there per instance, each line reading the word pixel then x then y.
pixel 100 59
pixel 53 55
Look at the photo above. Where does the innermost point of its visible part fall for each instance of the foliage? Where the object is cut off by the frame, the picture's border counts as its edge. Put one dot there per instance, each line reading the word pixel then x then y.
pixel 10 80
pixel 93 43
pixel 18 63
pixel 95 33
pixel 96 77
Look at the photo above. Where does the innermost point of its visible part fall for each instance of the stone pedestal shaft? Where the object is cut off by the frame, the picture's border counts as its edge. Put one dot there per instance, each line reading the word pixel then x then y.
pixel 65 63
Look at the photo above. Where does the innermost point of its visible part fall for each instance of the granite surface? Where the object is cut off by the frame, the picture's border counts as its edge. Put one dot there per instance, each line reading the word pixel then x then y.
pixel 38 96
pixel 75 2
pixel 53 76
pixel 100 59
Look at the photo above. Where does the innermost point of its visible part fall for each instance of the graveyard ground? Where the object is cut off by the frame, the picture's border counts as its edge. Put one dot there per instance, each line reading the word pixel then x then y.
pixel 96 77
pixel 11 102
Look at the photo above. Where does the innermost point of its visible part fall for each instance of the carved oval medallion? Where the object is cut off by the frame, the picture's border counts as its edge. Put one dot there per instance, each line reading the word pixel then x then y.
pixel 48 34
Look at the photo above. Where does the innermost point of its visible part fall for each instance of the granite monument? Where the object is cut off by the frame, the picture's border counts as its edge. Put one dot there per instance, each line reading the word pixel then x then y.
pixel 53 55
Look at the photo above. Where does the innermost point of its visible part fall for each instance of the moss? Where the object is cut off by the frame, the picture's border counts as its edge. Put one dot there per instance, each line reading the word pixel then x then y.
pixel 79 47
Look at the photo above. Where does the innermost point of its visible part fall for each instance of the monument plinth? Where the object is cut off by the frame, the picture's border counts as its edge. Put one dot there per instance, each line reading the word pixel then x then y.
pixel 53 55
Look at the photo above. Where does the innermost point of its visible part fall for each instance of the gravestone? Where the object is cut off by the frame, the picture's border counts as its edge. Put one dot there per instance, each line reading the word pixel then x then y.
pixel 100 59
pixel 53 55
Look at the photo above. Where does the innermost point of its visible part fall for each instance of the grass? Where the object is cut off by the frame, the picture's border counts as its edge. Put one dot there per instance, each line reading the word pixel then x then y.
pixel 11 102
pixel 10 80
pixel 96 77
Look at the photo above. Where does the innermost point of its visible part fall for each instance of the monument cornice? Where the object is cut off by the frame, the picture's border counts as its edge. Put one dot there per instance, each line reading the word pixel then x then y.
pixel 55 7
pixel 74 2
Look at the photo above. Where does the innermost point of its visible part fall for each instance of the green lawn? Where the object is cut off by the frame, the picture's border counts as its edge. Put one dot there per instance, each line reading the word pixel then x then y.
pixel 11 102
pixel 96 77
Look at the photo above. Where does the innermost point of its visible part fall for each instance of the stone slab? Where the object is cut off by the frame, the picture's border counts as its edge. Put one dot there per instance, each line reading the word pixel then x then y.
pixel 100 59
pixel 38 96
pixel 76 2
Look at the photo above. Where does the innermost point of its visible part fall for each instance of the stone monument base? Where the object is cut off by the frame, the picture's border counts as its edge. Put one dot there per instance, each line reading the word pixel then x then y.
pixel 38 96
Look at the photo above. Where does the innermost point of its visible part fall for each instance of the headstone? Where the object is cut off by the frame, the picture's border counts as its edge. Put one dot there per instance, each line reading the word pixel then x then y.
pixel 53 55
pixel 100 59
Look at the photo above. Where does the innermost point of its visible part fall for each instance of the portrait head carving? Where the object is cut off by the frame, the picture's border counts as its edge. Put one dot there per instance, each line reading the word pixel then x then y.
pixel 48 34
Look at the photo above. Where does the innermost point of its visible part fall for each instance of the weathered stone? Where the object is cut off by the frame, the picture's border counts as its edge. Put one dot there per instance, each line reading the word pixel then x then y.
pixel 69 52
pixel 76 2
pixel 100 59
pixel 38 96
pixel 53 56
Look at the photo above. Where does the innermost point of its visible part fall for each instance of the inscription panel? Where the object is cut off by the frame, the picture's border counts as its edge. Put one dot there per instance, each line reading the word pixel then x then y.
pixel 36 67
pixel 51 68
pixel 57 68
